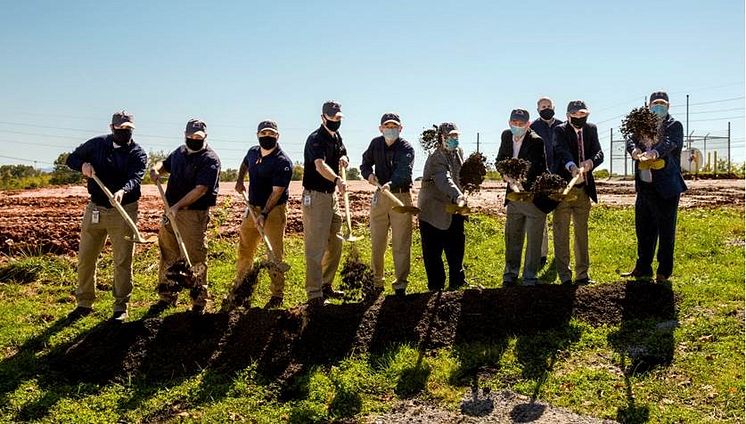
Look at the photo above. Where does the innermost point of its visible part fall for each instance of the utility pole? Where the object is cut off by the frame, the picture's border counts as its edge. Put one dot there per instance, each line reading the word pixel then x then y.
pixel 687 120
pixel 611 150
pixel 477 141
pixel 728 146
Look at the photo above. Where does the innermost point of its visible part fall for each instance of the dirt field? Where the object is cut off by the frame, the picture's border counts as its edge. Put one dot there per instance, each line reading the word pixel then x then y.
pixel 48 220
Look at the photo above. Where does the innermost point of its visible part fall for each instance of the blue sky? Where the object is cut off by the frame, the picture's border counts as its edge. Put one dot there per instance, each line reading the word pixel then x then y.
pixel 66 69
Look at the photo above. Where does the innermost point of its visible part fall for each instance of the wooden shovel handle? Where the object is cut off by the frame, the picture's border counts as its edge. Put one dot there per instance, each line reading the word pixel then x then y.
pixel 573 181
pixel 177 233
pixel 390 195
pixel 260 229
pixel 343 174
pixel 118 207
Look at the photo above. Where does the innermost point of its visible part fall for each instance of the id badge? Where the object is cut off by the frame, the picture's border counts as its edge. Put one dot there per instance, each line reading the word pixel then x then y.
pixel 95 216
pixel 306 200
pixel 374 202
pixel 245 213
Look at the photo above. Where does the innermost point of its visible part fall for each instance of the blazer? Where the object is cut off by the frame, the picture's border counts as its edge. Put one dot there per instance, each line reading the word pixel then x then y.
pixel 566 150
pixel 440 186
pixel 532 150
pixel 667 181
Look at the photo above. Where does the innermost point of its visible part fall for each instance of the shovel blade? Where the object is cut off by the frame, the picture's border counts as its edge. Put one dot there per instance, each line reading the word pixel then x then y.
pixel 141 240
pixel 406 209
pixel 519 196
pixel 456 210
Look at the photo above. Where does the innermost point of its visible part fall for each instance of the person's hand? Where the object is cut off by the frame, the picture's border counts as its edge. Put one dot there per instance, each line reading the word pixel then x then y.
pixel 586 166
pixel 240 187
pixel 260 221
pixel 343 162
pixel 372 179
pixel 636 153
pixel 118 196
pixel 87 170
pixel 461 201
pixel 649 155
pixel 386 187
pixel 574 170
pixel 154 175
pixel 341 185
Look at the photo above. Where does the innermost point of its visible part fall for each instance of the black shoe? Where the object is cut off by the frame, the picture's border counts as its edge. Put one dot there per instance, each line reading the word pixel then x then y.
pixel 400 293
pixel 542 262
pixel 374 294
pixel 509 283
pixel 330 293
pixel 119 317
pixel 584 282
pixel 529 283
pixel 198 310
pixel 159 307
pixel 567 283
pixel 274 302
pixel 315 304
pixel 660 278
pixel 78 313
pixel 636 273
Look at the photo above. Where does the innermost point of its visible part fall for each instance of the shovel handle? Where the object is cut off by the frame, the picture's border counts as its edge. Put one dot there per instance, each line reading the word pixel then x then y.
pixel 347 202
pixel 573 181
pixel 177 233
pixel 390 195
pixel 260 229
pixel 119 208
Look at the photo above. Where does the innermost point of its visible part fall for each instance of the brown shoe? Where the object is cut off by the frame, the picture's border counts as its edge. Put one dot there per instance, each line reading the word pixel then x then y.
pixel 274 302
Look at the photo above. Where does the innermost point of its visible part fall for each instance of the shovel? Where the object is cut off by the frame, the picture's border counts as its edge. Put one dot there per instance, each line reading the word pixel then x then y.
pixel 136 236
pixel 347 237
pixel 400 207
pixel 177 233
pixel 517 194
pixel 279 265
pixel 565 195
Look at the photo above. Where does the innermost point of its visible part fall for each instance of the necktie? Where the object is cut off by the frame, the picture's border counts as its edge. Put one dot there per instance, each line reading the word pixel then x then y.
pixel 581 149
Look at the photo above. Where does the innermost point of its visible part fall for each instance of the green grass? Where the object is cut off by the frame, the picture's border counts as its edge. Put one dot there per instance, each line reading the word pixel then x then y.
pixel 576 366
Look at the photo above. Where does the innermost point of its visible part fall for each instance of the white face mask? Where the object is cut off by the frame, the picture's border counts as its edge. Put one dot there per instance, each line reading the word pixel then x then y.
pixel 391 134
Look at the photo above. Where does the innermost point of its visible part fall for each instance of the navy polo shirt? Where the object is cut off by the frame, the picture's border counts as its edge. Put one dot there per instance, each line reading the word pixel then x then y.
pixel 265 172
pixel 321 145
pixel 189 170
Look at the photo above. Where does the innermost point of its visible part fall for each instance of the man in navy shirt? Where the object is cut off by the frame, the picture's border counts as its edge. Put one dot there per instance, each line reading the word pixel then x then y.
pixel 270 171
pixel 392 157
pixel 324 155
pixel 194 169
pixel 544 127
pixel 120 164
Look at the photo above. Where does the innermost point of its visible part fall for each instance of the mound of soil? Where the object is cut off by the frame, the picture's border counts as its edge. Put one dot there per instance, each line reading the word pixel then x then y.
pixel 285 342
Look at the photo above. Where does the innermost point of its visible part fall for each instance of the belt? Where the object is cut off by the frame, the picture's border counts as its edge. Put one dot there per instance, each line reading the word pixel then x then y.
pixel 322 191
pixel 399 190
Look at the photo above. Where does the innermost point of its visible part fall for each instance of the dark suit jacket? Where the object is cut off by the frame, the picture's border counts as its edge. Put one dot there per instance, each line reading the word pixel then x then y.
pixel 532 150
pixel 566 150
pixel 668 181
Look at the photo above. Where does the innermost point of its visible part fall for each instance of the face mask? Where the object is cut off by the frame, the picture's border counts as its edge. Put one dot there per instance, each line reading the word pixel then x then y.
pixel 195 145
pixel 332 126
pixel 517 131
pixel 452 143
pixel 660 110
pixel 390 134
pixel 122 136
pixel 546 114
pixel 578 122
pixel 267 142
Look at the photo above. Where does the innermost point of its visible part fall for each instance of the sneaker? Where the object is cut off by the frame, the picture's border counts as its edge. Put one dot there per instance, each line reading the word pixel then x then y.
pixel 636 273
pixel 198 310
pixel 159 307
pixel 330 293
pixel 78 313
pixel 400 293
pixel 119 317
pixel 274 302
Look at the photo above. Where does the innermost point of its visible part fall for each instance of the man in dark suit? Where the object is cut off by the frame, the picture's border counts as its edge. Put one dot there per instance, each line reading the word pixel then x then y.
pixel 524 220
pixel 659 185
pixel 576 151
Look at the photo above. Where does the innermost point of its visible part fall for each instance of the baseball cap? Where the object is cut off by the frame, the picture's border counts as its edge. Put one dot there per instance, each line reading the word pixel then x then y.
pixel 519 115
pixel 448 128
pixel 390 117
pixel 332 108
pixel 123 119
pixel 577 106
pixel 659 95
pixel 196 127
pixel 267 124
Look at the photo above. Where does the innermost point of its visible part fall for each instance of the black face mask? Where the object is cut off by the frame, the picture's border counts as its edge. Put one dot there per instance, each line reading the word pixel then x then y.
pixel 546 114
pixel 195 145
pixel 333 126
pixel 578 122
pixel 122 136
pixel 267 142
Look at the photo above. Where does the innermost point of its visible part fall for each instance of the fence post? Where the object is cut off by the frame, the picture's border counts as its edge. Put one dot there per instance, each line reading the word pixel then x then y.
pixel 611 150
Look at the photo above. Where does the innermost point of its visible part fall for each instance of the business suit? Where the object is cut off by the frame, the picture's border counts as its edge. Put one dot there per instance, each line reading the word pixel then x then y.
pixel 523 219
pixel 567 151
pixel 657 201
pixel 441 231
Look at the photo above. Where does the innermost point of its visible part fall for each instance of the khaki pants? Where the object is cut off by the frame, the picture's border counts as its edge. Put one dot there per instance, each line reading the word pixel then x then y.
pixel 322 225
pixel 523 221
pixel 193 226
pixel 92 240
pixel 249 239
pixel 381 218
pixel 579 209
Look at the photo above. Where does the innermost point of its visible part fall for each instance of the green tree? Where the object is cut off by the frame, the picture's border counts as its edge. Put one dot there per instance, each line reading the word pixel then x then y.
pixel 353 174
pixel 154 156
pixel 62 174
pixel 229 174
pixel 297 171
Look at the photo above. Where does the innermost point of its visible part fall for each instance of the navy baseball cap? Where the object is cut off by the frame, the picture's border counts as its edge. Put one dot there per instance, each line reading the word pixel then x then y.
pixel 659 95
pixel 519 115
pixel 196 127
pixel 123 119
pixel 332 108
pixel 390 117
pixel 577 106
pixel 447 128
pixel 267 124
